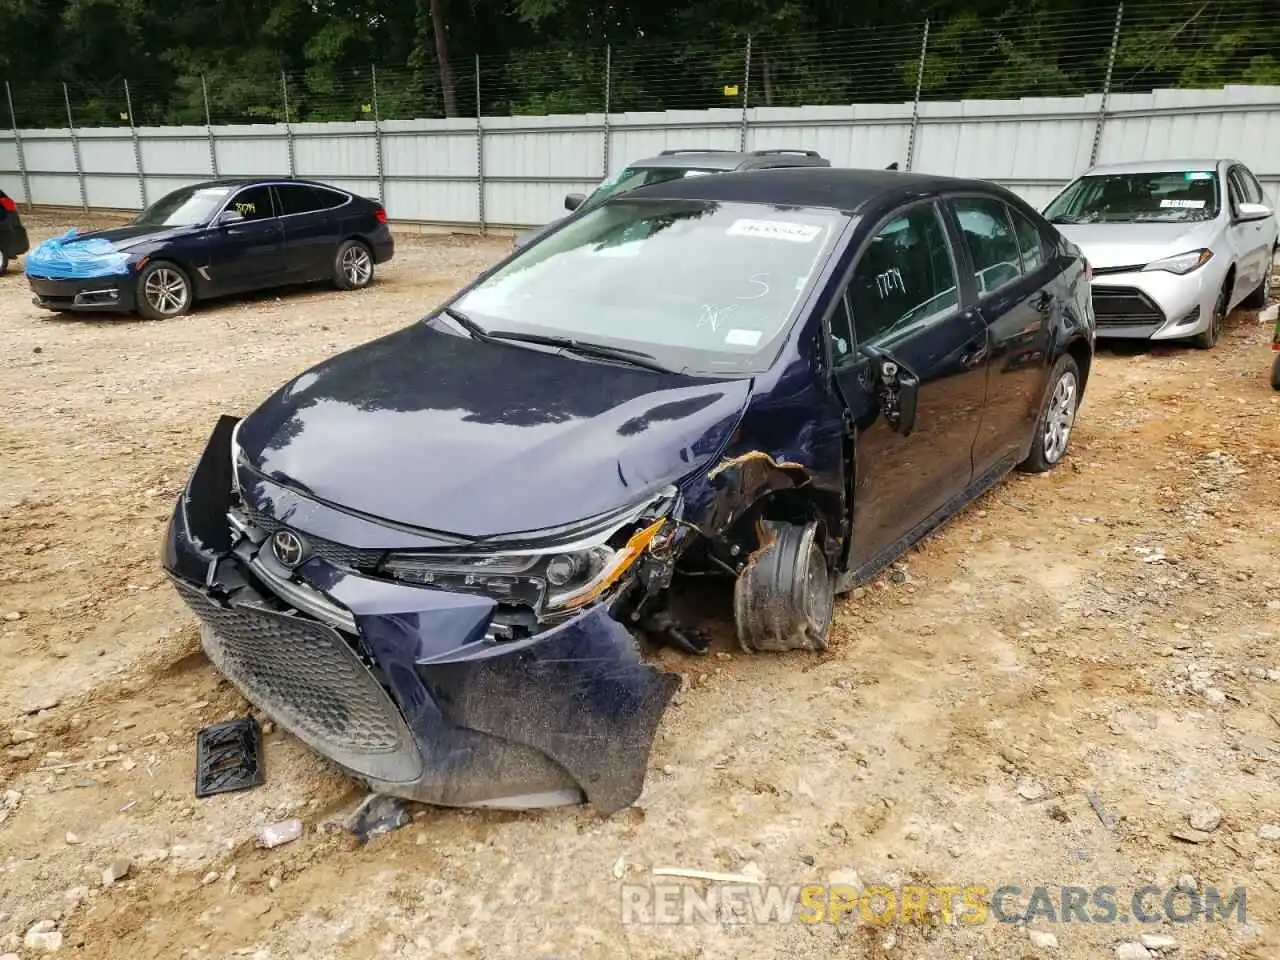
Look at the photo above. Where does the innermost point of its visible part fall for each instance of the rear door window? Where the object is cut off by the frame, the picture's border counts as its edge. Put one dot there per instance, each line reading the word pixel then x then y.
pixel 993 246
pixel 297 198
pixel 328 199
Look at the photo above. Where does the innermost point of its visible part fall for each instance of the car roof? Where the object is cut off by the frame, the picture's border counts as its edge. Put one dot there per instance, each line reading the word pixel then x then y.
pixel 251 181
pixel 1156 166
pixel 726 160
pixel 837 188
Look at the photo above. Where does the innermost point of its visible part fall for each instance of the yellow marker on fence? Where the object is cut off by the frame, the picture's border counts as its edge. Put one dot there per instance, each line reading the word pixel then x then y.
pixel 731 90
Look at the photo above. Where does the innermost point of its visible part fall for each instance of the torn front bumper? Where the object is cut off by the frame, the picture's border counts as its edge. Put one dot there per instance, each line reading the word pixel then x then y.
pixel 399 685
pixel 108 294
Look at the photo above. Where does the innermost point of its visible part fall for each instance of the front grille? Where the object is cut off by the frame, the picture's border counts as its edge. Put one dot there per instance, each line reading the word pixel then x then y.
pixel 1124 306
pixel 304 675
pixel 340 555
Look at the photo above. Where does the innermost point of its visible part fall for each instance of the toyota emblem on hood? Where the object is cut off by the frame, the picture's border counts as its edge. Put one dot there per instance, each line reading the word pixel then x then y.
pixel 289 548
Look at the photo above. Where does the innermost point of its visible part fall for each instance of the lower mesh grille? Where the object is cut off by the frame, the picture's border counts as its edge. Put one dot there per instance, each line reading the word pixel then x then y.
pixel 305 676
pixel 1124 306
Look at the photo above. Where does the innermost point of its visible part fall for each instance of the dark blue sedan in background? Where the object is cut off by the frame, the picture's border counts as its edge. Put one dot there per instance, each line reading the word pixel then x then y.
pixel 425 556
pixel 211 239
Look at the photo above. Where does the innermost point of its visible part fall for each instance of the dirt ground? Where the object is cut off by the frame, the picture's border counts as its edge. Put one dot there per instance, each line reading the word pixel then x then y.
pixel 1108 629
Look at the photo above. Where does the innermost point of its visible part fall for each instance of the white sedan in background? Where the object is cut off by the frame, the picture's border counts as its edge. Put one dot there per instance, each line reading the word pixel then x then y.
pixel 1174 245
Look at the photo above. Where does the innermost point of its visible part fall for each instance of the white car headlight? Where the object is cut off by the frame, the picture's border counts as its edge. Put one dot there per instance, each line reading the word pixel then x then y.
pixel 1182 263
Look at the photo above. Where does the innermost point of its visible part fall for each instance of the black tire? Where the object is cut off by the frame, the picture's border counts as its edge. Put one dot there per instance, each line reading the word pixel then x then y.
pixel 1275 373
pixel 1057 417
pixel 4 264
pixel 352 266
pixel 1258 299
pixel 785 597
pixel 163 291
pixel 1208 338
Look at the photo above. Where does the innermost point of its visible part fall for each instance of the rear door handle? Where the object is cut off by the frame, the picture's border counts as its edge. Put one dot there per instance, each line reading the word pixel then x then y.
pixel 975 352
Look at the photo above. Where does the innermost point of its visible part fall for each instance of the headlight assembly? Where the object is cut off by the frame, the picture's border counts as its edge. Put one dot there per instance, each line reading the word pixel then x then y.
pixel 1182 263
pixel 550 580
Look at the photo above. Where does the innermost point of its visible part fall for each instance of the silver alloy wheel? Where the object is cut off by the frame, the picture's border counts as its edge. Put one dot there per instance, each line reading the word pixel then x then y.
pixel 1060 417
pixel 166 291
pixel 356 265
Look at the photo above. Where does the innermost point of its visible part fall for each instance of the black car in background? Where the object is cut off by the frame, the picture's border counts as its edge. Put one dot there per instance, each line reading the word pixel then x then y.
pixel 425 556
pixel 674 165
pixel 211 239
pixel 13 236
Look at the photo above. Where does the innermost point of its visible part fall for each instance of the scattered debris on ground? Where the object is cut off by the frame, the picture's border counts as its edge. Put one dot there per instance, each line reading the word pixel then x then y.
pixel 1107 631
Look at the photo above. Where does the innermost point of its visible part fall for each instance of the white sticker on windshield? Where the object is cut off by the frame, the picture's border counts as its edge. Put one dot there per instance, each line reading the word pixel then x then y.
pixel 1183 204
pixel 743 338
pixel 775 230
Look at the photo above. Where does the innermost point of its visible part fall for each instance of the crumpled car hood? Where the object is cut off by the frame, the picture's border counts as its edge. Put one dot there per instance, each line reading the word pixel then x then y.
pixel 446 433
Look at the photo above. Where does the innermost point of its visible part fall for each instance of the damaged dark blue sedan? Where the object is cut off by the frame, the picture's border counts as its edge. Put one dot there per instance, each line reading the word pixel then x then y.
pixel 425 557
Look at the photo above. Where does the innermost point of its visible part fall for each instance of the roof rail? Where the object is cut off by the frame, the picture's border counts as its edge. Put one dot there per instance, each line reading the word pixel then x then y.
pixel 766 153
pixel 670 153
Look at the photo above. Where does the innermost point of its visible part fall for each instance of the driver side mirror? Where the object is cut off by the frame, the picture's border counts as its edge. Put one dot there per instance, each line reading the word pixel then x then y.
pixel 897 389
pixel 1253 211
pixel 228 217
pixel 572 201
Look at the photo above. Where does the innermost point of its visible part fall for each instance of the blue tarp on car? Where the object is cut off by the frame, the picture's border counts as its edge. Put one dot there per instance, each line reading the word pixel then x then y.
pixel 67 258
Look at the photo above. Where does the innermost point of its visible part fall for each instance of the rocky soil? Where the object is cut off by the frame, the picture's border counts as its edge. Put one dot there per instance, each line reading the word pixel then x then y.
pixel 1106 634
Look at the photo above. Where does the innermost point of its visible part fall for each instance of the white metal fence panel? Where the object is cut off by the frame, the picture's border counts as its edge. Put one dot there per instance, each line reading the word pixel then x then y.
pixel 513 171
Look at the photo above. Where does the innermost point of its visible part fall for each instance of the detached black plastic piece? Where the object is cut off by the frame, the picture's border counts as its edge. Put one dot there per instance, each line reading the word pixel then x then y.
pixel 669 631
pixel 229 757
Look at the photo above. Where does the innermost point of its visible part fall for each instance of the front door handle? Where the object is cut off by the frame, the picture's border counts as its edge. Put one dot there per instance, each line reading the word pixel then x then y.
pixel 975 352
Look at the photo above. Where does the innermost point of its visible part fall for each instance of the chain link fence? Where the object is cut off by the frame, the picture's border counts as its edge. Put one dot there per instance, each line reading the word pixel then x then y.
pixel 1133 48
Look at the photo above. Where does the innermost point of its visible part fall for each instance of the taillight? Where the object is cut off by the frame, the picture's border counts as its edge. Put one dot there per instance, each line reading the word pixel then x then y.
pixel 6 203
pixel 381 215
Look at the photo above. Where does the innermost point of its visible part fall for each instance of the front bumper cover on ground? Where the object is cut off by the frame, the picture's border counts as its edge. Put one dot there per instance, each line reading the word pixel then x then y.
pixel 416 702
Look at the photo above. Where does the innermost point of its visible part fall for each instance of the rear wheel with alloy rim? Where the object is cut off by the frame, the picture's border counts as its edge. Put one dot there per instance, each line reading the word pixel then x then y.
pixel 353 266
pixel 1207 338
pixel 164 291
pixel 1057 418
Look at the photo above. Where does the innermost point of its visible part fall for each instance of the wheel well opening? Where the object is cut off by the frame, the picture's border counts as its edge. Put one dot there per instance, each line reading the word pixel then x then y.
pixel 1079 351
pixel 783 506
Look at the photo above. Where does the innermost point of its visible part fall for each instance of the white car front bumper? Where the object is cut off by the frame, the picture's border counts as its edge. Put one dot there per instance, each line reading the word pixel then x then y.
pixel 1156 304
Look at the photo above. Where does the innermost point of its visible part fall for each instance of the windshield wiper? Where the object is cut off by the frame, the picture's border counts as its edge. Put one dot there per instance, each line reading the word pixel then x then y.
pixel 466 323
pixel 636 358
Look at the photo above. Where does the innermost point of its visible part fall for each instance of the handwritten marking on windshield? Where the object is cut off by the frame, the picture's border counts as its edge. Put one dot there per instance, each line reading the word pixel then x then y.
pixel 889 281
